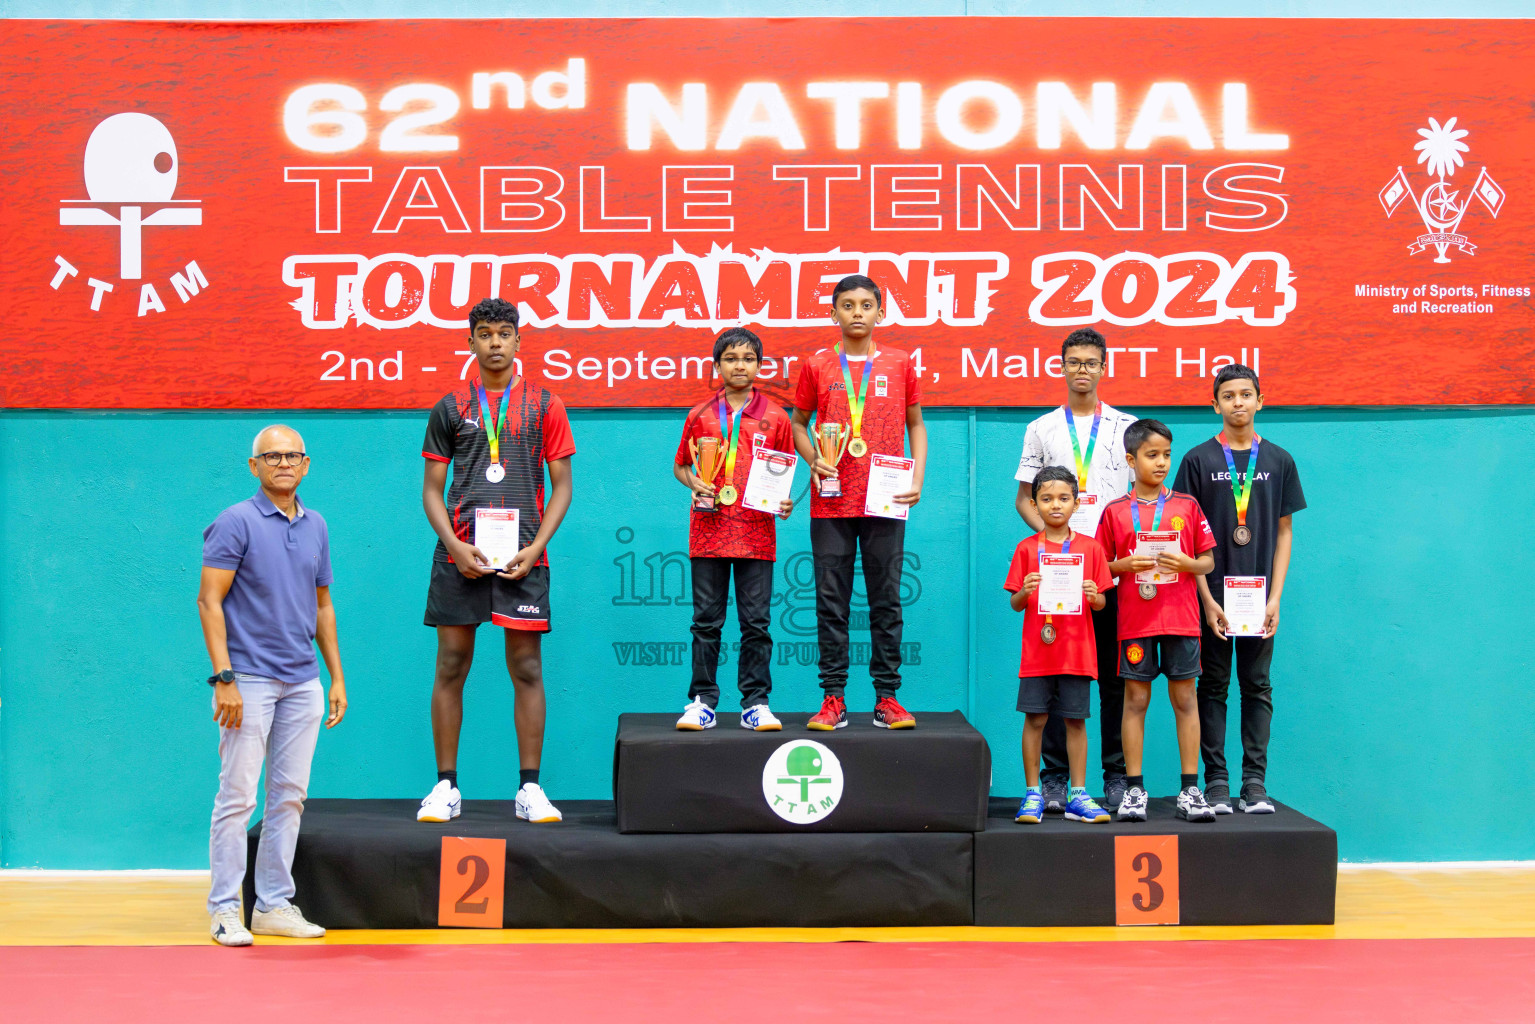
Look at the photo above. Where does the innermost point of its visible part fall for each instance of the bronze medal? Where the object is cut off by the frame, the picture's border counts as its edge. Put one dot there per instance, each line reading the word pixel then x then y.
pixel 1148 591
pixel 857 448
pixel 1242 535
pixel 728 495
pixel 1047 633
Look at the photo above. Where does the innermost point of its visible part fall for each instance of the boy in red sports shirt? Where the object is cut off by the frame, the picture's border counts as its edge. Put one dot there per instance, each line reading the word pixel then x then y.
pixel 883 407
pixel 1060 651
pixel 1158 619
pixel 731 538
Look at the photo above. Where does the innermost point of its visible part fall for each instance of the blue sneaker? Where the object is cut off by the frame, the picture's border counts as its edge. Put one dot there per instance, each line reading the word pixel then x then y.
pixel 1083 808
pixel 1032 810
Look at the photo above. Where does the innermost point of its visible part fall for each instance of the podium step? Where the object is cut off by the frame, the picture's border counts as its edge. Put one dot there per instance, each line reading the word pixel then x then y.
pixel 1241 869
pixel 933 778
pixel 370 864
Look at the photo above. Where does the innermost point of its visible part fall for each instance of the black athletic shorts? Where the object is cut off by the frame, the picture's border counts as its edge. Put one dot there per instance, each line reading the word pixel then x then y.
pixel 1067 696
pixel 1145 658
pixel 453 599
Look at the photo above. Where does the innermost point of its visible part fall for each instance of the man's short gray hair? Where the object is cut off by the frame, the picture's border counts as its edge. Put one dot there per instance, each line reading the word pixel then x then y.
pixel 256 441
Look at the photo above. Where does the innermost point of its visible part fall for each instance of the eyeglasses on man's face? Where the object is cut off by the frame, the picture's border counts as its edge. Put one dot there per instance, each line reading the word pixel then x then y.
pixel 1090 365
pixel 275 459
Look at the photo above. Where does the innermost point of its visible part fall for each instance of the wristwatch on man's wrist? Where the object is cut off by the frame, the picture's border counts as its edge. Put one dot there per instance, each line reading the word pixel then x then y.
pixel 226 676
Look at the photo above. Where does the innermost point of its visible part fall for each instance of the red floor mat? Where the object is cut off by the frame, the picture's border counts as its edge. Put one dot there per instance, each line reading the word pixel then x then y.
pixel 1250 982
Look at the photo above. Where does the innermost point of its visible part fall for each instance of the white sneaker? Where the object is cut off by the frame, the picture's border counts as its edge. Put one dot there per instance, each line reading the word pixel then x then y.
pixel 759 719
pixel 443 803
pixel 228 930
pixel 533 805
pixel 696 716
pixel 286 921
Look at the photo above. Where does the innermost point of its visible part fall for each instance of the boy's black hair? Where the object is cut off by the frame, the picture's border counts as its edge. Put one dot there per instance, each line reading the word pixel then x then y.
pixel 1236 371
pixel 737 336
pixel 492 311
pixel 1056 474
pixel 1137 433
pixel 1086 336
pixel 853 282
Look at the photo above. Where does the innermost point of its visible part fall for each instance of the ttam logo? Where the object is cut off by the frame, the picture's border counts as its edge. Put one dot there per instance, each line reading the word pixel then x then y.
pixel 131 167
pixel 802 781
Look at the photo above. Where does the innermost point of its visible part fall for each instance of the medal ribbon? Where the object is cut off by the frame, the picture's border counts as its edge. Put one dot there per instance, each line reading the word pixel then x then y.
pixel 855 409
pixel 1083 464
pixel 1243 492
pixel 732 433
pixel 1065 550
pixel 493 422
pixel 1135 510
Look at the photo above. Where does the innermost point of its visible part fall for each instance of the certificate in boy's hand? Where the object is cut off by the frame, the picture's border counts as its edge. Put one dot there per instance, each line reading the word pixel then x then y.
pixel 771 481
pixel 496 534
pixel 1153 544
pixel 889 475
pixel 1246 599
pixel 1060 583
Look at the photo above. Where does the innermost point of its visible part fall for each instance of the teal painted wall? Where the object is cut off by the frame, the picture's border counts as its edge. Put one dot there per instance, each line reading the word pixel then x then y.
pixel 1396 705
pixel 1390 699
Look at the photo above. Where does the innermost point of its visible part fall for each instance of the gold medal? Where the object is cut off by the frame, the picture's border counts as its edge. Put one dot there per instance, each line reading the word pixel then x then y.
pixel 857 448
pixel 728 495
pixel 1148 591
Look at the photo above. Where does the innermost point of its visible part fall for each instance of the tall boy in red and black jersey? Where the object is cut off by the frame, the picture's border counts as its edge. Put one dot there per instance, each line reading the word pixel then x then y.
pixel 1250 488
pixel 1060 651
pixel 498 432
pixel 1158 621
pixel 873 392
pixel 731 538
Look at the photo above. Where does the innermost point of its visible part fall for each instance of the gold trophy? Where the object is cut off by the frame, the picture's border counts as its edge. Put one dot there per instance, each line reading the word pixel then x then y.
pixel 706 462
pixel 831 441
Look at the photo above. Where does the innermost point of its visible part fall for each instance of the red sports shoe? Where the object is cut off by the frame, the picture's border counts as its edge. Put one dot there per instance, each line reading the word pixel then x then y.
pixel 888 714
pixel 833 714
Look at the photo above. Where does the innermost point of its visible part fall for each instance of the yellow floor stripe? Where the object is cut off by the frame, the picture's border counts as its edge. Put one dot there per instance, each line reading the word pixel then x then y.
pixel 1372 904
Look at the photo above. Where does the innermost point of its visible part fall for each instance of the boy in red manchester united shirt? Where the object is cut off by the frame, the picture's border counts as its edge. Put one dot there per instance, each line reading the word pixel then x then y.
pixel 729 537
pixel 1159 611
pixel 1060 648
pixel 874 394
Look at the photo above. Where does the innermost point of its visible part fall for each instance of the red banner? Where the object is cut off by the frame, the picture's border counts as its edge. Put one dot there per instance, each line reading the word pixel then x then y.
pixel 275 215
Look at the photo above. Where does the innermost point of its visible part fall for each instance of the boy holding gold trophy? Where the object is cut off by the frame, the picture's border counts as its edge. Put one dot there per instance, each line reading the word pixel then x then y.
pixel 737 459
pixel 865 400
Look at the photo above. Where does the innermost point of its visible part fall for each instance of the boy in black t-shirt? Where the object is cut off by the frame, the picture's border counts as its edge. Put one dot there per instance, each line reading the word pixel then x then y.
pixel 1248 488
pixel 498 432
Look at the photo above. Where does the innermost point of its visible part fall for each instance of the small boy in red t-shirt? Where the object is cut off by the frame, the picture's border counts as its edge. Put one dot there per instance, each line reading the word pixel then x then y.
pixel 731 538
pixel 1060 650
pixel 1159 542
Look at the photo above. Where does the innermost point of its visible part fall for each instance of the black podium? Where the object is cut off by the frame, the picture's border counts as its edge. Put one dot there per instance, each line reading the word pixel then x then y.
pixel 859 827
pixel 933 778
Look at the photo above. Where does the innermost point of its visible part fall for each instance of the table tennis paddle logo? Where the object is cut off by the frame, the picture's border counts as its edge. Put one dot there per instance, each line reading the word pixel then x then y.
pixel 802 781
pixel 1439 205
pixel 131 168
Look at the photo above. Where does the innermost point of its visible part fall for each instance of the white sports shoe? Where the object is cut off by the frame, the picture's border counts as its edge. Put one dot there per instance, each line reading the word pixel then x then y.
pixel 228 930
pixel 696 716
pixel 759 719
pixel 286 921
pixel 533 805
pixel 443 803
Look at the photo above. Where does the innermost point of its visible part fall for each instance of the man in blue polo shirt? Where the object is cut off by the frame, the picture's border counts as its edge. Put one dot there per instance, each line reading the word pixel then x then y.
pixel 264 602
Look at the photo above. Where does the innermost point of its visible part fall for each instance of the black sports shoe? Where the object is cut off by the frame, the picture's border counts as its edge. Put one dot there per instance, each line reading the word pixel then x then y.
pixel 1255 799
pixel 1218 796
pixel 1113 791
pixel 1055 794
